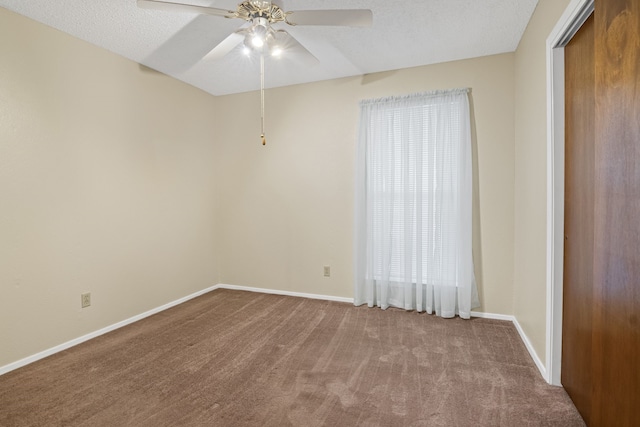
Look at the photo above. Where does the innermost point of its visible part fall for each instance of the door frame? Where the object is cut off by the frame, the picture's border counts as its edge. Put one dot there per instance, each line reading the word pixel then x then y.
pixel 570 22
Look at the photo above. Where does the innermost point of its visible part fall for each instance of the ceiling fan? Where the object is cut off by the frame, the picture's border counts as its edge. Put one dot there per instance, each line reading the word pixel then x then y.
pixel 258 35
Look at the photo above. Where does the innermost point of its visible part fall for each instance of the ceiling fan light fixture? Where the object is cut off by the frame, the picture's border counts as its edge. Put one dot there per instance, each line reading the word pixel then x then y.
pixel 258 35
pixel 257 41
pixel 260 31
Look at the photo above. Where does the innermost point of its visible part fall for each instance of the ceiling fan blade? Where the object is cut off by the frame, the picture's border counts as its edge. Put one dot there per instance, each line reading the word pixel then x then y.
pixel 181 7
pixel 185 48
pixel 292 47
pixel 226 45
pixel 337 17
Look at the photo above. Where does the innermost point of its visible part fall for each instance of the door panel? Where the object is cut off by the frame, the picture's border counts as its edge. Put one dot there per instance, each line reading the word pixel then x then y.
pixel 579 225
pixel 616 315
pixel 601 310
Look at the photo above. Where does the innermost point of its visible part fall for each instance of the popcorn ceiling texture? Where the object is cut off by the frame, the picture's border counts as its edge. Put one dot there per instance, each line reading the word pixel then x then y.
pixel 405 33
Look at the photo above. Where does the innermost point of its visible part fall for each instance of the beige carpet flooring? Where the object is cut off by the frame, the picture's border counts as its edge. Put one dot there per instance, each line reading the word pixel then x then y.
pixel 232 358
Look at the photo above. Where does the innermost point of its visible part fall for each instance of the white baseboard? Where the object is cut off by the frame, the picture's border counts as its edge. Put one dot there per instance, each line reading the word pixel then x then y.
pixel 523 336
pixel 493 316
pixel 532 352
pixel 41 355
pixel 287 293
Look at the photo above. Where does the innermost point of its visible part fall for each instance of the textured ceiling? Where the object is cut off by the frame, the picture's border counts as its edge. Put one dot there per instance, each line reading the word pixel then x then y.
pixel 405 33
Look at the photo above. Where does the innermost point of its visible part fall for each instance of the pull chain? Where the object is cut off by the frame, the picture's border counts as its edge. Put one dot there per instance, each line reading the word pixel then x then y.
pixel 262 137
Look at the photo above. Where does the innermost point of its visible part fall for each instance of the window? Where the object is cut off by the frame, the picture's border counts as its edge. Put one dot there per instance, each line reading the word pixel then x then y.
pixel 413 207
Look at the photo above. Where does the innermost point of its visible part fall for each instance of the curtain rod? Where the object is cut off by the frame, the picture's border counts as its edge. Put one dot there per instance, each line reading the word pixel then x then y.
pixel 433 93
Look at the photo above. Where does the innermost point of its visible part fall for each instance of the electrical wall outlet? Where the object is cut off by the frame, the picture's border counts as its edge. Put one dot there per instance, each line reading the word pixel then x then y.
pixel 327 271
pixel 85 299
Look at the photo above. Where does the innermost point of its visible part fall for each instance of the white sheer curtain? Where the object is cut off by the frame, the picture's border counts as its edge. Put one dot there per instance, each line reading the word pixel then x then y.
pixel 413 204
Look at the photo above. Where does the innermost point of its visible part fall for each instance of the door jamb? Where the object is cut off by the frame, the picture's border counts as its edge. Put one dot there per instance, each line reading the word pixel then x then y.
pixel 570 22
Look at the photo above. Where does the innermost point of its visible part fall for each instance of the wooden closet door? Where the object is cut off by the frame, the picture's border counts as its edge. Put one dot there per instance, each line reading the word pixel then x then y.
pixel 578 222
pixel 601 312
pixel 616 315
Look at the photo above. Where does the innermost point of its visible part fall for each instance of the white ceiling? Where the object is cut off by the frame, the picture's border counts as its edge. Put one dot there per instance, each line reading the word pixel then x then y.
pixel 405 33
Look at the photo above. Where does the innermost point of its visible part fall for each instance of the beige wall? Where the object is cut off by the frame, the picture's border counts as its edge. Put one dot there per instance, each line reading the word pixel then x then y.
pixel 107 185
pixel 287 209
pixel 141 190
pixel 531 174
